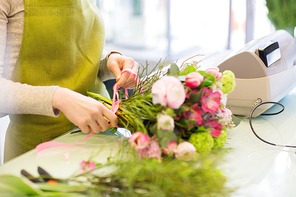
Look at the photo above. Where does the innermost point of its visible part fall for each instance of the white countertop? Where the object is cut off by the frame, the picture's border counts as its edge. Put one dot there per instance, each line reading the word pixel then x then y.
pixel 256 168
pixel 53 161
pixel 259 169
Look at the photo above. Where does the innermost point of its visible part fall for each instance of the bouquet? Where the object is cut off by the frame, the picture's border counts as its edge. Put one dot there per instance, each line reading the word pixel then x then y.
pixel 177 112
pixel 176 117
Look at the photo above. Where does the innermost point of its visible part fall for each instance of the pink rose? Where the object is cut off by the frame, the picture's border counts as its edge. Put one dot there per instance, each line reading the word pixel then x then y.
pixel 139 140
pixel 168 91
pixel 193 79
pixel 170 149
pixel 185 151
pixel 214 71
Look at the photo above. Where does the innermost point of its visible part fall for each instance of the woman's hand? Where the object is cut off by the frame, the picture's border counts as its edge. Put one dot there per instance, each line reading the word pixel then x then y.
pixel 118 63
pixel 85 112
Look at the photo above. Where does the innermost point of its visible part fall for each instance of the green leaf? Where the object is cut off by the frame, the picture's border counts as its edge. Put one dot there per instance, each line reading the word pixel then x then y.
pixel 171 136
pixel 209 79
pixel 181 109
pixel 173 70
pixel 161 133
pixel 188 69
pixel 164 142
pixel 202 129
pixel 61 187
pixel 236 120
pixel 99 97
pixel 15 186
pixel 186 123
pixel 195 98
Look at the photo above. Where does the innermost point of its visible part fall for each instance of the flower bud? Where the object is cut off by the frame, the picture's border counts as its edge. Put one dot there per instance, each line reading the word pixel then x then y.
pixel 214 71
pixel 170 149
pixel 193 79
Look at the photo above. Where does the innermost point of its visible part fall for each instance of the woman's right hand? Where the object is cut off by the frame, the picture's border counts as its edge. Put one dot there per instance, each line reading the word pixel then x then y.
pixel 85 112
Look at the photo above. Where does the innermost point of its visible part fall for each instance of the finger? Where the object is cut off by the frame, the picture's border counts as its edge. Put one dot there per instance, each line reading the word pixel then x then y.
pixel 116 70
pixel 102 123
pixel 94 127
pixel 130 82
pixel 123 79
pixel 85 129
pixel 111 117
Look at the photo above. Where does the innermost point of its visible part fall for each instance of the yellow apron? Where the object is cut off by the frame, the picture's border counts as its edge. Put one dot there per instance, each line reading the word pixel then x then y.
pixel 62 45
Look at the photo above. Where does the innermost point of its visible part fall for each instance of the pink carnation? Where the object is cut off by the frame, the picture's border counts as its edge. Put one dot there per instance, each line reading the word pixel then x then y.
pixel 151 151
pixel 139 140
pixel 210 101
pixel 214 71
pixel 168 91
pixel 194 79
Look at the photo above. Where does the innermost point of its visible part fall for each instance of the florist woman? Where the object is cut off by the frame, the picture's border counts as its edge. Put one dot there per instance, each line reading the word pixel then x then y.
pixel 51 54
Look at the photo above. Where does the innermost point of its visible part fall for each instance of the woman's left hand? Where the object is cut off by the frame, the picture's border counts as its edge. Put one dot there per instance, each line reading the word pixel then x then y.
pixel 116 64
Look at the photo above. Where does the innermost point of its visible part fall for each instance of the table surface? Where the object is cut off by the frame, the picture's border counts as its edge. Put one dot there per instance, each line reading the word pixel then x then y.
pixel 255 168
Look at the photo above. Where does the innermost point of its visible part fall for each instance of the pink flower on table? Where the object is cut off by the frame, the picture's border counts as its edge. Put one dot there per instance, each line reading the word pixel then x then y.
pixel 170 148
pixel 194 79
pixel 66 156
pixel 168 91
pixel 139 140
pixel 185 151
pixel 151 151
pixel 210 101
pixel 214 127
pixel 214 71
pixel 86 166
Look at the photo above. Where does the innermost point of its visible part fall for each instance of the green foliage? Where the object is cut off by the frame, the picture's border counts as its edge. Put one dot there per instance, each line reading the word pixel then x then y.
pixel 209 79
pixel 188 69
pixel 219 141
pixel 228 82
pixel 150 177
pixel 202 141
pixel 15 186
pixel 282 14
pixel 173 70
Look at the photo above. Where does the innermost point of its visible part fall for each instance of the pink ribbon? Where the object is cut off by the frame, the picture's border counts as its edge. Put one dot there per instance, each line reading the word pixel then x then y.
pixel 114 108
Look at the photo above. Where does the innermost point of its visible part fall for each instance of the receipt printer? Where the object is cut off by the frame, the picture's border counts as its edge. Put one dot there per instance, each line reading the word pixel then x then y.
pixel 264 69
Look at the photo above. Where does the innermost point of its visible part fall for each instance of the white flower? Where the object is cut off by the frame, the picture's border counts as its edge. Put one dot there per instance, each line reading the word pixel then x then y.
pixel 165 122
